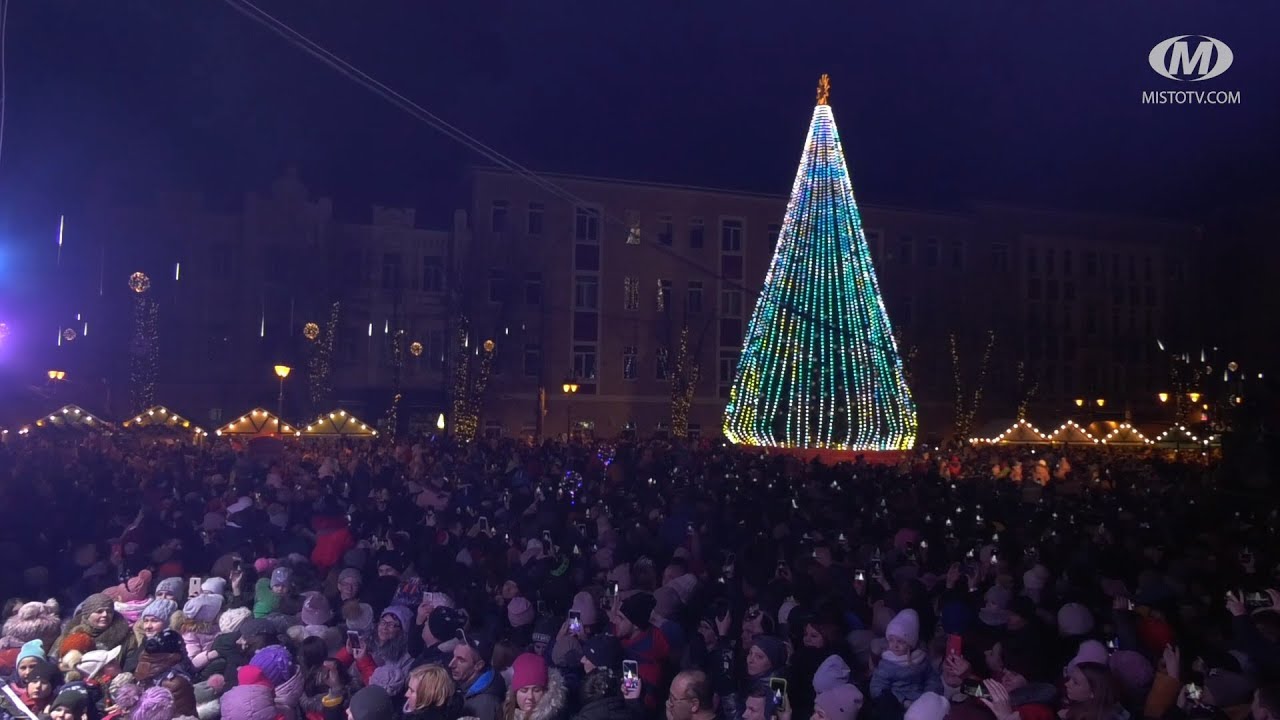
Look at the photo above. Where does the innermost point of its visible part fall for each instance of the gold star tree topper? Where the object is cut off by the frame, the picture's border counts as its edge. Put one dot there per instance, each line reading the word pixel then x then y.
pixel 824 89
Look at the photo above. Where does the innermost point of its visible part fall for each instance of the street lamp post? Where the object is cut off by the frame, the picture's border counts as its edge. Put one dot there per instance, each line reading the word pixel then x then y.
pixel 570 388
pixel 282 372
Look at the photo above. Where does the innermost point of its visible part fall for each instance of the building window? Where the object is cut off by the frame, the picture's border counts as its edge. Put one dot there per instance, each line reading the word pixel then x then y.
pixel 435 343
pixel 433 274
pixel 1151 296
pixel 731 236
pixel 1091 264
pixel 1049 257
pixel 533 288
pixel 584 362
pixel 931 252
pixel 664 295
pixel 586 289
pixel 731 303
pixel 906 250
pixel 1146 268
pixel 694 431
pixel 630 293
pixel 774 230
pixel 629 362
pixel 1133 268
pixel 496 278
pixel 660 369
pixel 492 429
pixel 498 216
pixel 1066 261
pixel 666 230
pixel 697 233
pixel 1051 287
pixel 390 271
pixel 1033 288
pixel 1032 266
pixel 908 310
pixel 873 243
pixel 999 256
pixel 536 214
pixel 532 360
pixel 726 367
pixel 693 297
pixel 1069 290
pixel 955 255
pixel 586 227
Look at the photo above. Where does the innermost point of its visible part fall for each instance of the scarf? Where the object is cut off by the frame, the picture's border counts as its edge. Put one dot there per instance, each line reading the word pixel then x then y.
pixel 915 657
pixel 481 684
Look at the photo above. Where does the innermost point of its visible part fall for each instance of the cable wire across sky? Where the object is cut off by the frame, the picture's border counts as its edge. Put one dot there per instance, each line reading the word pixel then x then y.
pixel 284 30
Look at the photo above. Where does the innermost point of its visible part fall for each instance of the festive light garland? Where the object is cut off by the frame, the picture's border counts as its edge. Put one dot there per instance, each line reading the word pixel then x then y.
pixel 966 410
pixel 397 366
pixel 820 367
pixel 683 386
pixel 320 362
pixel 144 356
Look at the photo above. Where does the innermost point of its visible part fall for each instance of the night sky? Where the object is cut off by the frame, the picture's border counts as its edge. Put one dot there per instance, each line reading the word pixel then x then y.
pixel 940 104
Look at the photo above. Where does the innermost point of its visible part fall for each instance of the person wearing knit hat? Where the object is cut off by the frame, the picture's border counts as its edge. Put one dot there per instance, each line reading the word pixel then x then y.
pixel 203 608
pixel 1074 620
pixel 72 702
pixel 904 672
pixel 535 690
pixel 32 621
pixel 249 702
pixel 520 612
pixel 833 672
pixel 1229 691
pixel 634 614
pixel 929 706
pixel 96 626
pixel 231 620
pixel 602 651
pixel 544 633
pixel 275 662
pixel 841 702
pixel 1090 651
pixel 156 703
pixel 370 703
pixel 315 609
pixel 766 656
pixel 171 589
pixel 155 617
pixel 390 677
pixel 132 590
pixel 349 582
pixel 585 605
pixel 995 610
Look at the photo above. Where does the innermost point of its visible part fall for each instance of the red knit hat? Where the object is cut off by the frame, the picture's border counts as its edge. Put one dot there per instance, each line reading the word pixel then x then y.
pixel 79 642
pixel 1154 634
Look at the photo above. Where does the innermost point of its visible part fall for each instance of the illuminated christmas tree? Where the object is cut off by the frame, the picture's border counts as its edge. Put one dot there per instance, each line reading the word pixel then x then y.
pixel 820 367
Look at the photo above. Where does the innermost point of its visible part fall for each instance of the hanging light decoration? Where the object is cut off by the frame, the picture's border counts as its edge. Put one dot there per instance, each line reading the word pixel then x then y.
pixel 139 282
pixel 69 334
pixel 311 331
pixel 1233 366
pixel 415 348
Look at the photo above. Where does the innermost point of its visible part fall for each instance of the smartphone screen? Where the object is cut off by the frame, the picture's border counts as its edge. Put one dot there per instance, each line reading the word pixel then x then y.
pixel 193 586
pixel 778 686
pixel 955 645
pixel 974 690
pixel 575 621
pixel 353 639
pixel 630 674
pixel 483 522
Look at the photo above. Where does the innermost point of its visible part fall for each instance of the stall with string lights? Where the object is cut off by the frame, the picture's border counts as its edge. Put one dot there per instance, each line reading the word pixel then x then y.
pixel 1118 434
pixel 1020 432
pixel 68 417
pixel 254 423
pixel 338 424
pixel 1069 433
pixel 160 420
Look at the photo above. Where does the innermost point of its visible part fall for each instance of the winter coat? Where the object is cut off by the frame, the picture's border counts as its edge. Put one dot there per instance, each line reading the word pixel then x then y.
pixel 483 699
pixel 13 704
pixel 228 661
pixel 248 702
pixel 907 681
pixel 169 672
pixel 199 640
pixel 288 693
pixel 552 706
pixel 609 708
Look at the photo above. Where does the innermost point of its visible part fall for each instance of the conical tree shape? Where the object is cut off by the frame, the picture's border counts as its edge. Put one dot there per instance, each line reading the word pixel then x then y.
pixel 820 367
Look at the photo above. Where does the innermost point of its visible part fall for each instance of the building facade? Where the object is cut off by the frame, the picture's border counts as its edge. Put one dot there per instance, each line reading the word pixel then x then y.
pixel 596 281
pixel 235 288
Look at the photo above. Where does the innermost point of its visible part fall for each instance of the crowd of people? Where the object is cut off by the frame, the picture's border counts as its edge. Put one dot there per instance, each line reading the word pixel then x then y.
pixel 429 580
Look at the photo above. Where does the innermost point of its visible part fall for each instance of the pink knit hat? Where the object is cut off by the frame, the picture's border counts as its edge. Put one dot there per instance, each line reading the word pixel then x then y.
pixel 248 702
pixel 529 670
pixel 131 590
pixel 156 704
pixel 520 612
pixel 33 621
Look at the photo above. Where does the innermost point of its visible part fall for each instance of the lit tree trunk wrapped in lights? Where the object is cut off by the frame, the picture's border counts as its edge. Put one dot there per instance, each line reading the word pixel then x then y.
pixel 320 360
pixel 469 382
pixel 967 408
pixel 820 367
pixel 683 384
pixel 144 347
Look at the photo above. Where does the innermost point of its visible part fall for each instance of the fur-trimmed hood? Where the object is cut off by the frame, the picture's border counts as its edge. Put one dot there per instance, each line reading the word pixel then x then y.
pixel 553 702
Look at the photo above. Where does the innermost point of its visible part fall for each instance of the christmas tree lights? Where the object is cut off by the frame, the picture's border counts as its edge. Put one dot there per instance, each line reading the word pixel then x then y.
pixel 820 367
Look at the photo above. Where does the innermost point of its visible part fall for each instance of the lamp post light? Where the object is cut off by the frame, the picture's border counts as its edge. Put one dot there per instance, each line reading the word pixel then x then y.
pixel 1164 397
pixel 1102 402
pixel 570 388
pixel 1079 402
pixel 1195 396
pixel 282 372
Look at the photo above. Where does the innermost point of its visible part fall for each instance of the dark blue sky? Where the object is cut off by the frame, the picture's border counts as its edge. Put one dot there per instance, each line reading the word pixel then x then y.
pixel 939 103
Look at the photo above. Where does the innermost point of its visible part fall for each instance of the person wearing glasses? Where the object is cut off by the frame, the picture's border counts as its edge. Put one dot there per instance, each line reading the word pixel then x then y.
pixel 690 697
